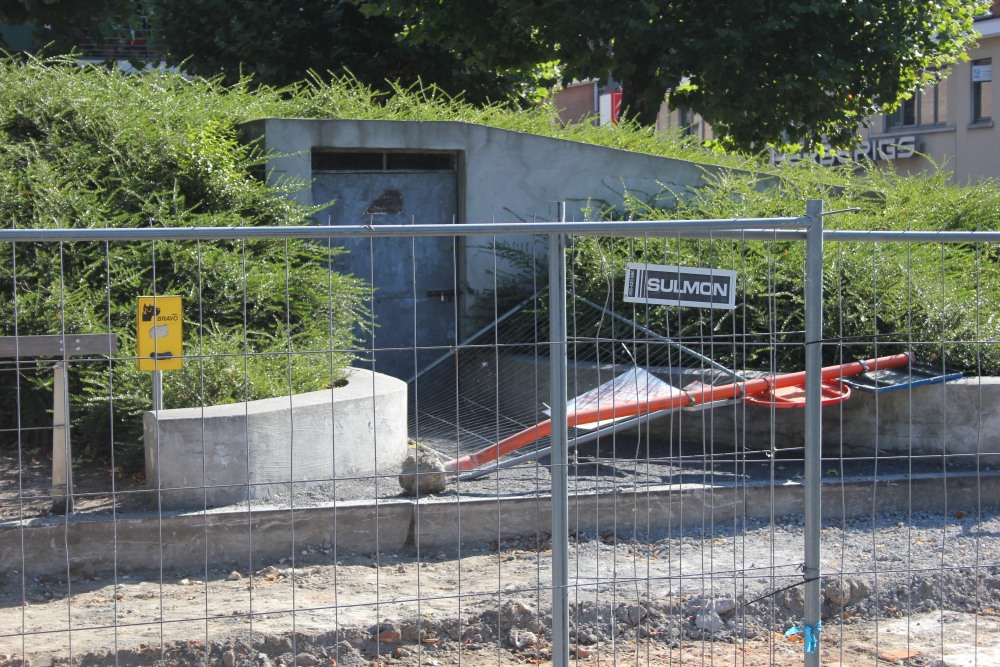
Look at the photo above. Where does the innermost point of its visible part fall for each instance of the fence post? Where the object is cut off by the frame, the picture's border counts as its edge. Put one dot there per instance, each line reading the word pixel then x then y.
pixel 813 429
pixel 157 391
pixel 62 455
pixel 560 456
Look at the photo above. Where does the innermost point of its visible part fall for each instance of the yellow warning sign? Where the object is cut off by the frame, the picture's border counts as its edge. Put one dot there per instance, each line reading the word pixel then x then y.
pixel 160 334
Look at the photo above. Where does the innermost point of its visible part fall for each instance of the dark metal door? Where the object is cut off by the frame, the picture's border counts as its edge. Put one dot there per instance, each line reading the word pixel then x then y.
pixel 415 297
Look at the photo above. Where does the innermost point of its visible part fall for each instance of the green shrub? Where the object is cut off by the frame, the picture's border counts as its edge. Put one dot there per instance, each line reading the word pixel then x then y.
pixel 89 147
pixel 936 300
pixel 86 147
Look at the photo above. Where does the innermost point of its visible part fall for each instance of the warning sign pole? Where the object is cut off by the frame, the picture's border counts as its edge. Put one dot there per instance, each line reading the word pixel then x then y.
pixel 157 391
pixel 159 339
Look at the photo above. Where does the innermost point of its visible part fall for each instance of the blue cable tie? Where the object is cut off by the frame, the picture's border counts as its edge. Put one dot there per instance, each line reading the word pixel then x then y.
pixel 811 635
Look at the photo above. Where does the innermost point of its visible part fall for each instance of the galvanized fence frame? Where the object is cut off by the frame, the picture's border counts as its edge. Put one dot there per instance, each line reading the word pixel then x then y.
pixel 808 228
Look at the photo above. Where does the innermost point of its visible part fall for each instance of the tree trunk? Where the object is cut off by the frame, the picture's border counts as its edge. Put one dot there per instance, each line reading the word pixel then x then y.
pixel 642 91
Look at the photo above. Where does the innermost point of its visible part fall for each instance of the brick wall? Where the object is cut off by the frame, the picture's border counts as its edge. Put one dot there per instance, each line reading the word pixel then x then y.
pixel 575 102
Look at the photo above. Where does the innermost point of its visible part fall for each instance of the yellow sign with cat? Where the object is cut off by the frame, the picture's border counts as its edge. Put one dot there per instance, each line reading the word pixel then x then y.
pixel 160 333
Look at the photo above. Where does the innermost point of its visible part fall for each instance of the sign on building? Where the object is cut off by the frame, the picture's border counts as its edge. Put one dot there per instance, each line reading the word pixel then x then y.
pixel 160 333
pixel 680 286
pixel 891 148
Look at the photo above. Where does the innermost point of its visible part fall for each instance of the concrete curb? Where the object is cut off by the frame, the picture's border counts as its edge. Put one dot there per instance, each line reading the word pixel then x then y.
pixel 250 539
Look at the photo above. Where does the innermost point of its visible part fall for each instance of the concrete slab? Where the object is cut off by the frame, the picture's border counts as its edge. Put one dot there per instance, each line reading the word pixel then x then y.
pixel 250 539
pixel 244 540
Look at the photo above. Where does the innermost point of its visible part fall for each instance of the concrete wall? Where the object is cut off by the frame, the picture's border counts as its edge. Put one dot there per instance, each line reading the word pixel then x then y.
pixel 219 455
pixel 956 418
pixel 504 176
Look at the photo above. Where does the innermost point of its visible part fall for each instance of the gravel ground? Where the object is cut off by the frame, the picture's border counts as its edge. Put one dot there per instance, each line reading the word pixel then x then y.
pixel 920 588
pixel 894 582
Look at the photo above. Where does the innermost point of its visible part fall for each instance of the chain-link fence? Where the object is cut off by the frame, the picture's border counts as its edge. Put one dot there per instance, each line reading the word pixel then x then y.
pixel 719 441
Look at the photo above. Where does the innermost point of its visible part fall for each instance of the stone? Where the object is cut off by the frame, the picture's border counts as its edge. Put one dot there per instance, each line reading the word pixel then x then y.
pixel 228 658
pixel 723 606
pixel 898 655
pixel 306 660
pixel 422 473
pixel 636 613
pixel 519 614
pixel 709 620
pixel 387 632
pixel 348 656
pixel 837 593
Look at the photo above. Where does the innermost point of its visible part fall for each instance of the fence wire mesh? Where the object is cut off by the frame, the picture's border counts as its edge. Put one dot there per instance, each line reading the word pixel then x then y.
pixel 258 518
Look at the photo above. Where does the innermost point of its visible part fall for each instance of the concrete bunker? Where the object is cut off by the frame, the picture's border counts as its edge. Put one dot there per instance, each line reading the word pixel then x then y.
pixel 373 172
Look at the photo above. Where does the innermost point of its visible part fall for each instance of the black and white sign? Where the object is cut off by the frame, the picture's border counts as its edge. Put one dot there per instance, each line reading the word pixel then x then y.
pixel 680 286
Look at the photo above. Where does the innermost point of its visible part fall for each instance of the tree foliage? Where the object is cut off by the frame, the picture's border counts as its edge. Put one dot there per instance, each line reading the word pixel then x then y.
pixel 285 41
pixel 760 71
pixel 62 25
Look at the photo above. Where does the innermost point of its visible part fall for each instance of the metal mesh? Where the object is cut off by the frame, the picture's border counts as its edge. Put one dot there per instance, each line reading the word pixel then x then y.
pixel 685 530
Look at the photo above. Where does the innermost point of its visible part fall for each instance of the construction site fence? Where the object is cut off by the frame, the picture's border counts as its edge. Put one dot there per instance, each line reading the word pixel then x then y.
pixel 720 524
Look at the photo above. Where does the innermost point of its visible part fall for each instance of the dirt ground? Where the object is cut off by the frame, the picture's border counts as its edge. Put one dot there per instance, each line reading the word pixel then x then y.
pixel 436 611
pixel 918 590
pixel 25 486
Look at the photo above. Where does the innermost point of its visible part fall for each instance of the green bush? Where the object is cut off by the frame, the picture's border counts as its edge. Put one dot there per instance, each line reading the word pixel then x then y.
pixel 86 147
pixel 935 300
pixel 90 147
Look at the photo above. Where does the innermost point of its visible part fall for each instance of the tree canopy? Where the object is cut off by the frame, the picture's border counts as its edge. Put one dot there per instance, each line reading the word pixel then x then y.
pixel 61 25
pixel 284 41
pixel 762 72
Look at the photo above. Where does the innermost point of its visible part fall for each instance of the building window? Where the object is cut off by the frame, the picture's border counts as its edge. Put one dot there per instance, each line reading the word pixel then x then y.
pixel 982 90
pixel 927 108
pixel 687 122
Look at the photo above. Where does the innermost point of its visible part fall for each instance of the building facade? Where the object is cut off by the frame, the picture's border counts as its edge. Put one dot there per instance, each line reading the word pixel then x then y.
pixel 952 122
pixel 949 124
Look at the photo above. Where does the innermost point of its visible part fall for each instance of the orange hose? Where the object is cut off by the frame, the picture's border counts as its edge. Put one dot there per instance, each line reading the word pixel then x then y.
pixel 682 399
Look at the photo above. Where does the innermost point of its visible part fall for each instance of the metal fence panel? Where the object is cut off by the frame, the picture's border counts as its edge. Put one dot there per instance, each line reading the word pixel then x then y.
pixel 258 517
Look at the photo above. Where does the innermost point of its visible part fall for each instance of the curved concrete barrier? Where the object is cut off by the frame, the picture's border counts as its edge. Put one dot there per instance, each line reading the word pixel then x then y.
pixel 223 454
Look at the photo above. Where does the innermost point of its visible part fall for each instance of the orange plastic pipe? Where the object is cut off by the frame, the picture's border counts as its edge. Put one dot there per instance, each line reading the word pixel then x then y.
pixel 681 399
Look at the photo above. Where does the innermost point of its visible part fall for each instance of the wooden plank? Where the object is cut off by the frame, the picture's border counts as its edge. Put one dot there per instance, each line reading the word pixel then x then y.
pixel 72 345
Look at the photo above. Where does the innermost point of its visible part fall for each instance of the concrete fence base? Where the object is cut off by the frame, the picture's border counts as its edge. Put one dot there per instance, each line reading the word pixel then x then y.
pixel 220 455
